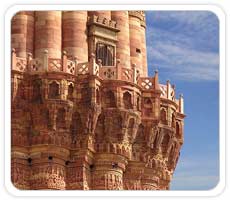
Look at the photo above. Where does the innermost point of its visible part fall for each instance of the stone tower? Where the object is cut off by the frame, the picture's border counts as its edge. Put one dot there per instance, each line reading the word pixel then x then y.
pixel 85 115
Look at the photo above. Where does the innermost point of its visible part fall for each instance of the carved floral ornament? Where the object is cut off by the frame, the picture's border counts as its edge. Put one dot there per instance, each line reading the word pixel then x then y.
pixel 90 123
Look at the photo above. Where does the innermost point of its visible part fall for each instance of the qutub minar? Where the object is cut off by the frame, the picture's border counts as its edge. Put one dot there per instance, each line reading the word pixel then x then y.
pixel 85 114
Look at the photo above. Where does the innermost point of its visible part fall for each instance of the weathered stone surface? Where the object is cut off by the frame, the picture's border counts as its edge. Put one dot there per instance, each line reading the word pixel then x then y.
pixel 79 124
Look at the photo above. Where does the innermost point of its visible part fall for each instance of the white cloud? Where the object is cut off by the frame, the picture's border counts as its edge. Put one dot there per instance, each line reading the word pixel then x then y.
pixel 184 63
pixel 187 17
pixel 188 49
pixel 184 46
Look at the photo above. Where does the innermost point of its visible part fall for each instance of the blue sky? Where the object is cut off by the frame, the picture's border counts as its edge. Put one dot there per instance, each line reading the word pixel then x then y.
pixel 184 47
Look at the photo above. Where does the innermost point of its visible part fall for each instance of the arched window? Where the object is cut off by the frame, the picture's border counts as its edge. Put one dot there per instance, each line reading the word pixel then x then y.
pixel 105 53
pixel 37 97
pixel 60 119
pixel 163 116
pixel 127 100
pixel 147 101
pixel 54 90
pixel 110 100
pixel 147 107
pixel 70 92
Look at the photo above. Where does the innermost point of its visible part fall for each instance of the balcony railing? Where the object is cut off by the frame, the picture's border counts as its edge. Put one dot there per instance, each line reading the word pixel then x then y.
pixel 92 68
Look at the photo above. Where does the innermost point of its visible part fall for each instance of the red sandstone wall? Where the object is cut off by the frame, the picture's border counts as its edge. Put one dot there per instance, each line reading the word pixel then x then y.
pixel 143 50
pixel 135 42
pixel 22 33
pixel 74 34
pixel 48 33
pixel 83 130
pixel 123 46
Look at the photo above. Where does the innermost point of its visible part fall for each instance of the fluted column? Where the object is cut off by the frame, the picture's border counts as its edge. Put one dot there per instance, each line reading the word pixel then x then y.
pixel 74 29
pixel 135 41
pixel 108 172
pixel 143 49
pixel 48 33
pixel 20 170
pixel 132 176
pixel 149 181
pixel 22 33
pixel 47 171
pixel 123 46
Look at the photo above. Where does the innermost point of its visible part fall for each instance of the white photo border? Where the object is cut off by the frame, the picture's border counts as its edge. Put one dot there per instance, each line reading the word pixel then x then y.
pixel 222 104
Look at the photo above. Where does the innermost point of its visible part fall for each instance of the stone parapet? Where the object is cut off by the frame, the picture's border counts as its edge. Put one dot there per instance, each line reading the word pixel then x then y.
pixel 84 122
